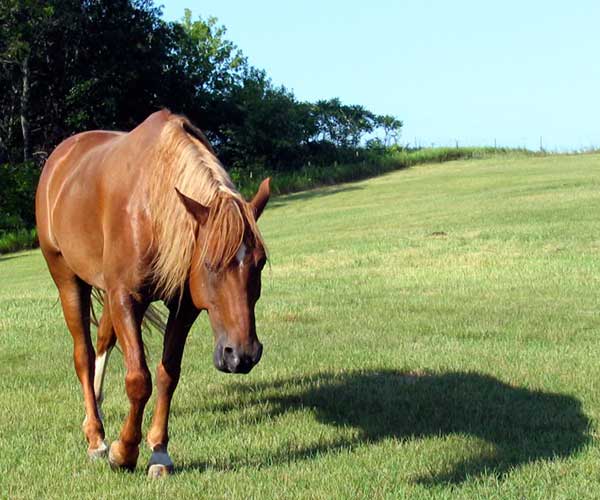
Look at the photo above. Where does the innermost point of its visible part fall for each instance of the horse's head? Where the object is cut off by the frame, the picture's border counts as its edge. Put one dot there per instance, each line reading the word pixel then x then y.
pixel 225 275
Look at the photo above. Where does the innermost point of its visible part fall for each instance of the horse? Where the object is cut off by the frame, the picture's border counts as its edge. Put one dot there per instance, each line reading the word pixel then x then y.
pixel 138 217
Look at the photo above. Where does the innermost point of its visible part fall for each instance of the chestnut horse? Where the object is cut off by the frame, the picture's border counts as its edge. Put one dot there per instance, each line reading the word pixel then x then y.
pixel 143 216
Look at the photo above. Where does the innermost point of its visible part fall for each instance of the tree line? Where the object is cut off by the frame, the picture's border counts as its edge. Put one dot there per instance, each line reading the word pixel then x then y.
pixel 73 65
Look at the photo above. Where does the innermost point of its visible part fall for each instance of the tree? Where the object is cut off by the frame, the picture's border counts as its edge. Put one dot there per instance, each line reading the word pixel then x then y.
pixel 79 65
pixel 392 128
pixel 266 123
pixel 209 67
pixel 120 68
pixel 23 24
pixel 212 63
pixel 341 124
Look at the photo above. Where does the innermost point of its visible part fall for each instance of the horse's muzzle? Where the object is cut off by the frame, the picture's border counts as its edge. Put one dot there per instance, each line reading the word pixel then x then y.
pixel 235 359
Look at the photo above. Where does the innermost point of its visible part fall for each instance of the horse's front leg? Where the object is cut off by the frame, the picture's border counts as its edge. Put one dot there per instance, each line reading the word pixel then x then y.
pixel 126 315
pixel 181 319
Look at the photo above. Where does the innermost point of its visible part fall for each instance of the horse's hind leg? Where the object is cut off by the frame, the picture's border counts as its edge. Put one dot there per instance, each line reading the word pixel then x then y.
pixel 75 300
pixel 104 345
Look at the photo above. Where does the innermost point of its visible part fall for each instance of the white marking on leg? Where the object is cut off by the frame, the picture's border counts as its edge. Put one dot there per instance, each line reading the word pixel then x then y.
pixel 100 452
pixel 99 373
pixel 241 253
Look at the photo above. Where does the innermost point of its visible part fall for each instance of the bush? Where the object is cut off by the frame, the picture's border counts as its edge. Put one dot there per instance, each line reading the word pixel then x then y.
pixel 18 240
pixel 17 196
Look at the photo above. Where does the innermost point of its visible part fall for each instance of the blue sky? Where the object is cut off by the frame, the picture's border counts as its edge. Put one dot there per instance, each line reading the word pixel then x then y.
pixel 472 71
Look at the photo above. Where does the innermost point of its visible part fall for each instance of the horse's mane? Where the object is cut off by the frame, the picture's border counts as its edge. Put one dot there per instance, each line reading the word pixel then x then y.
pixel 185 160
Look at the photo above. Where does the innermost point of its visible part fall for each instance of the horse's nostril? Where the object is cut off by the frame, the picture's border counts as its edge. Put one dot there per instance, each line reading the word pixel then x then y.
pixel 231 357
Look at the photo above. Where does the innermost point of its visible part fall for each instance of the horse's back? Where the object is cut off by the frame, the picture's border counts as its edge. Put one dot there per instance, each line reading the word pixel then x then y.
pixel 98 156
pixel 69 201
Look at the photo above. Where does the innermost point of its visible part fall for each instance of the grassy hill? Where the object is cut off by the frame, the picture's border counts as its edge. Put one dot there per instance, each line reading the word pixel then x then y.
pixel 431 332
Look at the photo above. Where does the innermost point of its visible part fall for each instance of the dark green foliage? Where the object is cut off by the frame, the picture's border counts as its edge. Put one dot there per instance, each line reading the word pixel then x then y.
pixel 17 193
pixel 92 64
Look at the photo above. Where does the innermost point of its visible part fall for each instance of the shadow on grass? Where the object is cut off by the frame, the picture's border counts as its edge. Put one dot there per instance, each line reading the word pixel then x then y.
pixel 522 425
pixel 9 256
pixel 285 199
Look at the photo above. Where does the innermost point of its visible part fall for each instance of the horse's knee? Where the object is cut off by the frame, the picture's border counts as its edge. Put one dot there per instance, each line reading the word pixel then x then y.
pixel 83 357
pixel 138 385
pixel 166 380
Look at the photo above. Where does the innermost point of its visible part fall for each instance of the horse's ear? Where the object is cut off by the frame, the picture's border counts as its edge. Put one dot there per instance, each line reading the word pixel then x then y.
pixel 197 210
pixel 259 202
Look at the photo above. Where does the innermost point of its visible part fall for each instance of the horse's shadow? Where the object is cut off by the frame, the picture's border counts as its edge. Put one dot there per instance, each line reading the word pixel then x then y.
pixel 522 425
pixel 320 192
pixel 5 257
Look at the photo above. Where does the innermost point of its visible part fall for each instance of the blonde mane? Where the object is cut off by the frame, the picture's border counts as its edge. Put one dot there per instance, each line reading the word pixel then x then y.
pixel 185 160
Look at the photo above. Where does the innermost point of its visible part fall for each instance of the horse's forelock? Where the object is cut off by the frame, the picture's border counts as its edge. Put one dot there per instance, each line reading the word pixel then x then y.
pixel 231 223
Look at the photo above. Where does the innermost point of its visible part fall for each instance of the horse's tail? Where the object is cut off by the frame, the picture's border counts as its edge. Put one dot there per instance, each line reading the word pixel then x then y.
pixel 154 319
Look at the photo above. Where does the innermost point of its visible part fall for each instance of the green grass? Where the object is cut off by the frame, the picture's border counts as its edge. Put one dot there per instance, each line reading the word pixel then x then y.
pixel 433 332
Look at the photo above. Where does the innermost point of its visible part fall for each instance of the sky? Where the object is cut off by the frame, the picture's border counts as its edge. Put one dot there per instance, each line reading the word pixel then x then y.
pixel 509 73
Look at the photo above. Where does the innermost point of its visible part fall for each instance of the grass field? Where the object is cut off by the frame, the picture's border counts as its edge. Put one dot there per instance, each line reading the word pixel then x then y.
pixel 433 332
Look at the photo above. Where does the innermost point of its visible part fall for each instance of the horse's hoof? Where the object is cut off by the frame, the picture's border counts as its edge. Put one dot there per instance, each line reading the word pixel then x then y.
pixel 119 460
pixel 99 452
pixel 157 471
pixel 160 464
